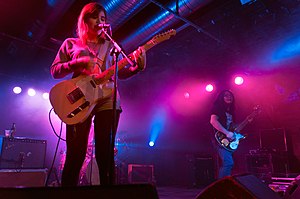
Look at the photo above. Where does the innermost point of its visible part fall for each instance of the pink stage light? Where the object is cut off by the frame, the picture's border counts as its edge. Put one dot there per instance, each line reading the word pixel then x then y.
pixel 209 88
pixel 186 95
pixel 238 80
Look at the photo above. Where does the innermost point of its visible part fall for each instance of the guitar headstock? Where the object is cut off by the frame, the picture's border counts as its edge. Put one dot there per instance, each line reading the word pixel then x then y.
pixel 161 37
pixel 257 109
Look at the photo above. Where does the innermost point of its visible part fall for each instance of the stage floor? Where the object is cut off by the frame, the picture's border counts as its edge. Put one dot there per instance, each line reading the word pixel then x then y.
pixel 177 193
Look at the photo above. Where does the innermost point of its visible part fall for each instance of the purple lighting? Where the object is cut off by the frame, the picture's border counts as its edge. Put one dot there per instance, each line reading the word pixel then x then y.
pixel 46 96
pixel 31 92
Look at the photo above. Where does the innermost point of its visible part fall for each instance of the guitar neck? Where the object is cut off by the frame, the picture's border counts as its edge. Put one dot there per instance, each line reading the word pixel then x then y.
pixel 241 125
pixel 121 64
pixel 245 122
pixel 124 62
pixel 155 40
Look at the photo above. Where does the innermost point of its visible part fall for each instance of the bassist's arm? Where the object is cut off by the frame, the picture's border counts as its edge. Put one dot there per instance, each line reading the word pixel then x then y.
pixel 214 121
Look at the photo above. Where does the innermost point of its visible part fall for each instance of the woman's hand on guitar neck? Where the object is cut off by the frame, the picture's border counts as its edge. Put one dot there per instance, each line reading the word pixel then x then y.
pixel 139 57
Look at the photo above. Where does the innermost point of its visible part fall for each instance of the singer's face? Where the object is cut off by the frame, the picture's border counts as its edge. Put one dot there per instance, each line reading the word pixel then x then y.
pixel 95 20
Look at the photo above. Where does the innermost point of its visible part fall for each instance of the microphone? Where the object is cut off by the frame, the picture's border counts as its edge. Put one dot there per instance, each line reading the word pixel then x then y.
pixel 103 25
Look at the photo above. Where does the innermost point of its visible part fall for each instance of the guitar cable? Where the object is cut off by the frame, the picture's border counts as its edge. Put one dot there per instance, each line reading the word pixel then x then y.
pixel 56 149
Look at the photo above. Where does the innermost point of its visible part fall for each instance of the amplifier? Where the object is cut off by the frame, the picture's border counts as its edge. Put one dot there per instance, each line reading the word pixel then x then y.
pixel 260 164
pixel 204 171
pixel 22 153
pixel 138 173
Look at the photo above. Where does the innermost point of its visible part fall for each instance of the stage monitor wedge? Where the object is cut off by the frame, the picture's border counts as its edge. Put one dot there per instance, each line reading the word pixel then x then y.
pixel 239 186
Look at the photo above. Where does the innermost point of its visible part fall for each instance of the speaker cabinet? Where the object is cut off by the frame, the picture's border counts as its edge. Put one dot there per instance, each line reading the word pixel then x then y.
pixel 204 171
pixel 273 139
pixel 23 178
pixel 132 191
pixel 22 153
pixel 241 186
pixel 138 173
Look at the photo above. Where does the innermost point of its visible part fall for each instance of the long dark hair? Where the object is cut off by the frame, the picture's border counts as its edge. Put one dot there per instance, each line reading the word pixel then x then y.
pixel 220 103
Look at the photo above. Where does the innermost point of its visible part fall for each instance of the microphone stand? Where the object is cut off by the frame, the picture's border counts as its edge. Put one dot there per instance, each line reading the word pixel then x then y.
pixel 116 50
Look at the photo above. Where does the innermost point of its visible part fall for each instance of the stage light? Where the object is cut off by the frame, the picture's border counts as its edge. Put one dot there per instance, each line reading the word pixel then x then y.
pixel 29 34
pixel 238 80
pixel 247 2
pixel 17 90
pixel 52 2
pixel 186 95
pixel 209 88
pixel 151 143
pixel 289 50
pixel 31 92
pixel 157 125
pixel 46 96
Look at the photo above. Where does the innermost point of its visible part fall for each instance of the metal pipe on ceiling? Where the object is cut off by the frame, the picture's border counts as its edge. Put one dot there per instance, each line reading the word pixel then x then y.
pixel 121 11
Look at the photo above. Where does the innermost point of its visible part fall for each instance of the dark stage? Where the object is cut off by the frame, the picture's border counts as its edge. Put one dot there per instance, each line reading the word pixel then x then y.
pixel 31 183
pixel 239 186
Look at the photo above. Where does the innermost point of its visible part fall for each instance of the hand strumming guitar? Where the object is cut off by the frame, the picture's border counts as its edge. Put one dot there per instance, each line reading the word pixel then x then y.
pixel 230 135
pixel 104 76
pixel 86 65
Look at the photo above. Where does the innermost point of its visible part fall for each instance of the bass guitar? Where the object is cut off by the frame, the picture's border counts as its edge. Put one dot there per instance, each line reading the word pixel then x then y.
pixel 73 100
pixel 232 144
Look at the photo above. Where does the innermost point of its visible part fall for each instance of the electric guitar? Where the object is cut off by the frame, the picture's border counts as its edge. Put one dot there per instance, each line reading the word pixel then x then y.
pixel 73 100
pixel 232 144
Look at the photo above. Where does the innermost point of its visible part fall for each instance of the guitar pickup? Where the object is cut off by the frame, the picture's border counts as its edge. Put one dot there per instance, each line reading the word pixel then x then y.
pixel 78 109
pixel 75 95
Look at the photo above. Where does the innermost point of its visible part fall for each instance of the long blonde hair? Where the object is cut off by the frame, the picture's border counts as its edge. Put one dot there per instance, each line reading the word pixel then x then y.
pixel 87 11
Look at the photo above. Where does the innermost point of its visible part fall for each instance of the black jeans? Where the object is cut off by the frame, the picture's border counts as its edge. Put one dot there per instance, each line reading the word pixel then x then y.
pixel 77 142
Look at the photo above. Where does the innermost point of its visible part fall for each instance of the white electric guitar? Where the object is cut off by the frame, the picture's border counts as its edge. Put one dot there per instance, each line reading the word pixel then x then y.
pixel 73 100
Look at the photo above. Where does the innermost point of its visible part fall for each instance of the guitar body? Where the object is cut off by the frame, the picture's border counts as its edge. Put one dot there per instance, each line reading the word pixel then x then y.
pixel 73 100
pixel 230 145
